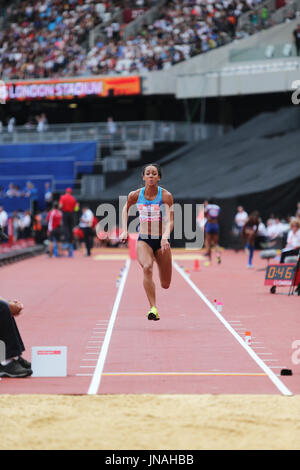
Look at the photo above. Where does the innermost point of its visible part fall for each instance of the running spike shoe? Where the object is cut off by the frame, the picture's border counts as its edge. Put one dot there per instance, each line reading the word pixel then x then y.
pixel 153 314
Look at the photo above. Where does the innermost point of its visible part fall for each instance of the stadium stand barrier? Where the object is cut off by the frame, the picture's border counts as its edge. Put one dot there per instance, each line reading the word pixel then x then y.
pixel 142 133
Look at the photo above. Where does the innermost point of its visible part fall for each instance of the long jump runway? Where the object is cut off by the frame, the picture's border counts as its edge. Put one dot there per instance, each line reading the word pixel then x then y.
pixel 114 349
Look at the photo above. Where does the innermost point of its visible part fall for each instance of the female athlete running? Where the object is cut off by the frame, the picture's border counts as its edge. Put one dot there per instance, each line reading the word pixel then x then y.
pixel 212 212
pixel 249 233
pixel 156 216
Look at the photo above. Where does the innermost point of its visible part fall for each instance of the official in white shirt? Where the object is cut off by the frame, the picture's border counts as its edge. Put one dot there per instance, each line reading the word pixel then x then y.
pixel 293 241
pixel 86 225
pixel 3 218
pixel 240 218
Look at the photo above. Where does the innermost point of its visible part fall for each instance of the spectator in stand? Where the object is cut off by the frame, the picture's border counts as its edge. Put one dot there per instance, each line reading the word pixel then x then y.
pixel 68 204
pixel 16 225
pixel 240 218
pixel 86 225
pixel 54 220
pixel 261 234
pixel 1 192
pixel 293 241
pixel 296 39
pixel 3 219
pixel 112 129
pixel 18 192
pixel 264 16
pixel 41 123
pixel 48 197
pixel 25 225
pixel 32 192
pixel 12 190
pixel 11 124
pixel 275 232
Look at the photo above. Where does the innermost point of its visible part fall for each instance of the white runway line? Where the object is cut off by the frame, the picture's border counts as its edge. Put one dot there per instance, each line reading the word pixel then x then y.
pixel 95 382
pixel 272 376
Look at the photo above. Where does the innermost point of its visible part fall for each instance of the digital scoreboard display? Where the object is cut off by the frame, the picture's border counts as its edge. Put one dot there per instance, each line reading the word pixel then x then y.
pixel 280 274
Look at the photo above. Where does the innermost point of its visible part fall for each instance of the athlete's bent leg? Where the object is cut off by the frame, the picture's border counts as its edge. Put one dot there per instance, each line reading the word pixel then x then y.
pixel 208 245
pixel 215 243
pixel 164 263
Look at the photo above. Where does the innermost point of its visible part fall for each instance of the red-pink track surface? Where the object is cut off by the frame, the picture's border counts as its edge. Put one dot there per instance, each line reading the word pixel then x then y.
pixel 69 302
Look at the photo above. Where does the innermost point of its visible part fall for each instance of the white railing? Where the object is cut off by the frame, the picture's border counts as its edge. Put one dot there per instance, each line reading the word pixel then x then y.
pixel 144 132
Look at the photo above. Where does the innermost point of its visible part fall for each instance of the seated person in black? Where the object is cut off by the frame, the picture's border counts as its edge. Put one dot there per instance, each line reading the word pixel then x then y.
pixel 12 364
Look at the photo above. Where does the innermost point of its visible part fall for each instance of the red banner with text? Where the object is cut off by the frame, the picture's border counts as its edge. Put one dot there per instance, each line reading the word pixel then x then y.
pixel 48 89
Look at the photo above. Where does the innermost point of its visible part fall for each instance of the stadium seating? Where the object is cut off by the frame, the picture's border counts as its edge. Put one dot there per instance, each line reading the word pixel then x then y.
pixel 46 38
pixel 50 39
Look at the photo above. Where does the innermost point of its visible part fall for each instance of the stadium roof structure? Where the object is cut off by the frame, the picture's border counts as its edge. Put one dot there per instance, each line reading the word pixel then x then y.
pixel 256 157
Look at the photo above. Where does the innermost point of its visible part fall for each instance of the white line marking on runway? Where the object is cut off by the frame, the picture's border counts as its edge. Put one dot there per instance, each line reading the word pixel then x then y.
pixel 95 383
pixel 272 376
pixel 266 354
pixel 277 367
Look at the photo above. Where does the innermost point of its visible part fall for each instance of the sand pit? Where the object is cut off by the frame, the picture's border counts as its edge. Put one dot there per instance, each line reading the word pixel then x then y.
pixel 154 422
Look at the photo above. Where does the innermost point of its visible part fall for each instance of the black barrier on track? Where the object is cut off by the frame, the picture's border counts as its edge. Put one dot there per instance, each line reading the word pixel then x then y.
pixel 19 255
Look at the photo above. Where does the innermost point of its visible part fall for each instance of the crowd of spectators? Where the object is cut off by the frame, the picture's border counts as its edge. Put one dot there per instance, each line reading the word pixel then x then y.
pixel 22 223
pixel 14 190
pixel 185 28
pixel 45 38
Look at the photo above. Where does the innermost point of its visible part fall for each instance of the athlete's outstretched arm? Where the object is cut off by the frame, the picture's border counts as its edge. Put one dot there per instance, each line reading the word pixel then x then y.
pixel 131 200
pixel 168 223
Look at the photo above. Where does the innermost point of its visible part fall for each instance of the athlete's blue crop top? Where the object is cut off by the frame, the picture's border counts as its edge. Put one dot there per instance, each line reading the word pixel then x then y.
pixel 150 211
